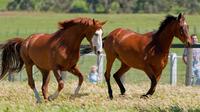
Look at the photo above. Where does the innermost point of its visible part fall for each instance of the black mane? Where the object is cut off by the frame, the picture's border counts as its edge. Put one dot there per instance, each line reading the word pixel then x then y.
pixel 154 45
pixel 165 22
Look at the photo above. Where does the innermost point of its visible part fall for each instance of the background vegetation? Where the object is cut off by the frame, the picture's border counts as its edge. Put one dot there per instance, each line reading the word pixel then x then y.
pixel 106 6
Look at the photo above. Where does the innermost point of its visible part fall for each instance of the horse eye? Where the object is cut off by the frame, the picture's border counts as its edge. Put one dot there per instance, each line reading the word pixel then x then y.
pixel 96 34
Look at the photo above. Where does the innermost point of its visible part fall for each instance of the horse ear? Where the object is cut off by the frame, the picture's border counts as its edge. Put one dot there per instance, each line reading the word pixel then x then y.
pixel 180 16
pixel 104 22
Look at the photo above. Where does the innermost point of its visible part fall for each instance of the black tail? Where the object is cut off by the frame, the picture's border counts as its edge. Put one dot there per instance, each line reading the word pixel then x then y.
pixel 11 59
pixel 86 49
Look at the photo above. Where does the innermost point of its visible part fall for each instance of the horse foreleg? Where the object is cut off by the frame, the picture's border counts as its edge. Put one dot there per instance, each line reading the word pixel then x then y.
pixel 58 77
pixel 124 68
pixel 154 82
pixel 152 76
pixel 31 82
pixel 77 73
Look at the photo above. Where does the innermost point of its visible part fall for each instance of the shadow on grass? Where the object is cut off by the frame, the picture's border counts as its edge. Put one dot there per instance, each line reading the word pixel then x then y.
pixel 72 96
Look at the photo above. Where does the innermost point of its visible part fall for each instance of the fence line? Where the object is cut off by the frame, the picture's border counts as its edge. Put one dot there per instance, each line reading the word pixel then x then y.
pixel 173 65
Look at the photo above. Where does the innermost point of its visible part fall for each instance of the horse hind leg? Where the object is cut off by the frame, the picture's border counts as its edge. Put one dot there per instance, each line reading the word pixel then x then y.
pixel 77 73
pixel 57 74
pixel 31 82
pixel 45 78
pixel 110 60
pixel 124 68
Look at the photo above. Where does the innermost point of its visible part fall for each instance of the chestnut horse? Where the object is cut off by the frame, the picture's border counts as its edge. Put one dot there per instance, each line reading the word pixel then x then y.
pixel 57 52
pixel 147 52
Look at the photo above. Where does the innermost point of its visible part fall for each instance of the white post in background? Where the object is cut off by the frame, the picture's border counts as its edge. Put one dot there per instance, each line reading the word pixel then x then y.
pixel 100 60
pixel 188 76
pixel 173 69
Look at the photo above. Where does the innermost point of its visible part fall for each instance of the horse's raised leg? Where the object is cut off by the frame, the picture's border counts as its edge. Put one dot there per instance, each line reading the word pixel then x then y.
pixel 76 72
pixel 109 64
pixel 31 82
pixel 58 77
pixel 45 78
pixel 124 68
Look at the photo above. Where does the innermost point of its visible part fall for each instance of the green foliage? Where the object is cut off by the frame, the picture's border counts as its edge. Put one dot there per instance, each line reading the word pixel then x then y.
pixel 20 5
pixel 79 6
pixel 3 4
pixel 108 6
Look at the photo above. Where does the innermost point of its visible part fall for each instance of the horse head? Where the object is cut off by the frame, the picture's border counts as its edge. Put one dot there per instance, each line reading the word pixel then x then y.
pixel 94 36
pixel 182 30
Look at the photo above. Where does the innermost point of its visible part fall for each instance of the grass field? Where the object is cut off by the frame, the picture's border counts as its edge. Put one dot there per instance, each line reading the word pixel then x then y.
pixel 93 98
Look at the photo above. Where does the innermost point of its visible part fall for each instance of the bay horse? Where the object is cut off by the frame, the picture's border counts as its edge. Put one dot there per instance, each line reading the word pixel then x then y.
pixel 147 52
pixel 58 52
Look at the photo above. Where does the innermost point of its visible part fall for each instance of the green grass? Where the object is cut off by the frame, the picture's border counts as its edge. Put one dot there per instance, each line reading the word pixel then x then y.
pixel 19 97
pixel 25 23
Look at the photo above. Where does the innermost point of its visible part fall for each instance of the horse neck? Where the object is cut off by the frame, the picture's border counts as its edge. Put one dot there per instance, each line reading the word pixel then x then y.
pixel 165 38
pixel 73 39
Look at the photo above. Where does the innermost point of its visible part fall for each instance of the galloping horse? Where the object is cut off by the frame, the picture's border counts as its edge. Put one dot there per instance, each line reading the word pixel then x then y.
pixel 57 52
pixel 147 52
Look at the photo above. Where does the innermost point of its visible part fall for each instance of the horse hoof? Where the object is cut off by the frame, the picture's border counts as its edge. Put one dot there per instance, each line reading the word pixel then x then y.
pixel 46 100
pixel 111 97
pixel 144 96
pixel 50 98
pixel 123 95
pixel 38 101
pixel 123 92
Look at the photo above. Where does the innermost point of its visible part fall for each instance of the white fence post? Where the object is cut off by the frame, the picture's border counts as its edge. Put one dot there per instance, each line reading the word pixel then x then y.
pixel 173 69
pixel 188 76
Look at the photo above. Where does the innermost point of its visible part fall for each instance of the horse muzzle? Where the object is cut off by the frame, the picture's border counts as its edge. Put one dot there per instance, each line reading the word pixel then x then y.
pixel 188 44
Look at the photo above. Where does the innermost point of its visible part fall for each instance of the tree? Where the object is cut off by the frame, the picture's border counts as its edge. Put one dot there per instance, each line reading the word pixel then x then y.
pixel 20 5
pixel 92 4
pixel 56 5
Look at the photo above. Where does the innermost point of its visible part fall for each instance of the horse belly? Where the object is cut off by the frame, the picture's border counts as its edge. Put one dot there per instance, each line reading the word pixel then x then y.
pixel 41 58
pixel 132 59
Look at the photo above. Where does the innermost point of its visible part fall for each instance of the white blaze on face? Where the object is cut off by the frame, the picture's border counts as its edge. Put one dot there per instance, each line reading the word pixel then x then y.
pixel 97 41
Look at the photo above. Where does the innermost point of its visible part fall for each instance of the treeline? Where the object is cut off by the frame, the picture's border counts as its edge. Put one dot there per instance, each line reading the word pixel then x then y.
pixel 108 6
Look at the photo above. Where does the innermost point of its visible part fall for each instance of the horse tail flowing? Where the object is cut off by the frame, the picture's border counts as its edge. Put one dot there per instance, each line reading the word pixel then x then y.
pixel 11 59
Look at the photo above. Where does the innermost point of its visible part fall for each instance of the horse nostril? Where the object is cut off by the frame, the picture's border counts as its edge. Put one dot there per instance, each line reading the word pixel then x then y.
pixel 98 52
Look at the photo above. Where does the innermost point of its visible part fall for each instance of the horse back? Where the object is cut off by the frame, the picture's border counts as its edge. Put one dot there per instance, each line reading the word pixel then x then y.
pixel 126 38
